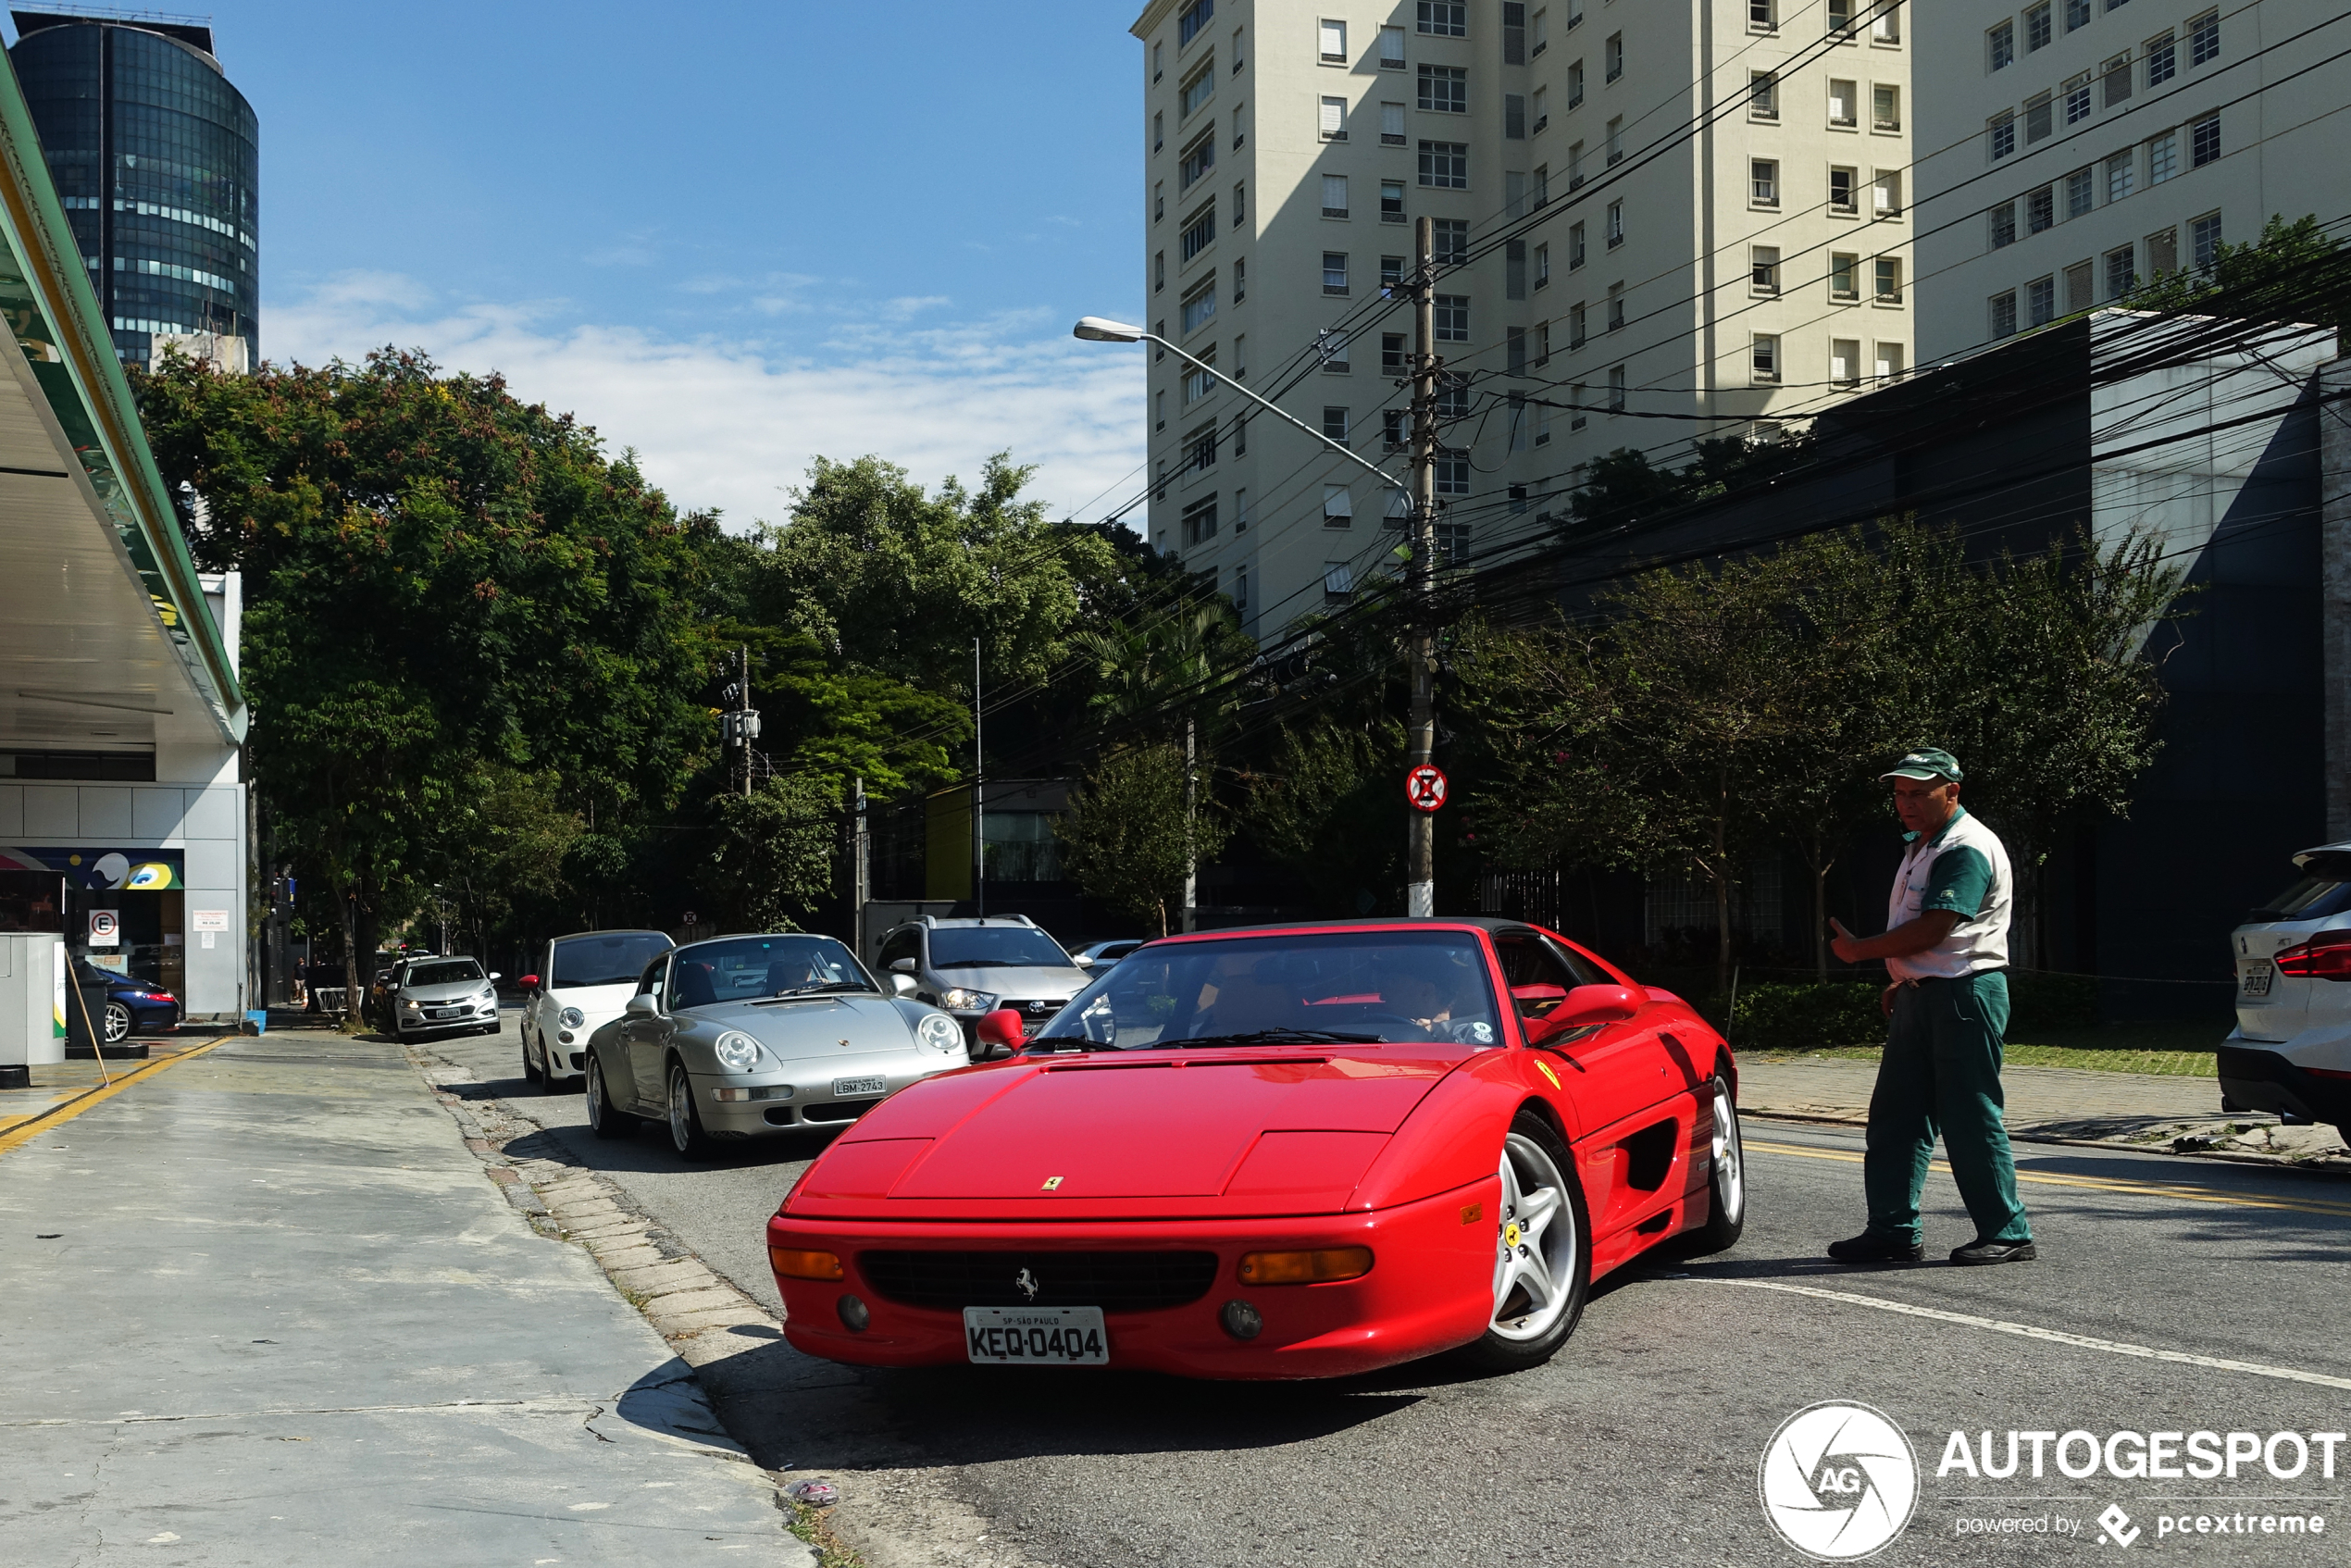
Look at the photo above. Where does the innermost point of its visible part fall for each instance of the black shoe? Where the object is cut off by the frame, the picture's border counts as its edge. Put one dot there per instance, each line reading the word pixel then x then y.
pixel 1867 1249
pixel 1994 1253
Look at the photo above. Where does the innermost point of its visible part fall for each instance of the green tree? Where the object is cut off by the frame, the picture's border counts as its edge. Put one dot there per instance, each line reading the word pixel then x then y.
pixel 2293 272
pixel 773 859
pixel 1127 839
pixel 1328 805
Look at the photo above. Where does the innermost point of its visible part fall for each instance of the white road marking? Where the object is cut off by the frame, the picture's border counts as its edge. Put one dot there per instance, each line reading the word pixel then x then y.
pixel 2030 1331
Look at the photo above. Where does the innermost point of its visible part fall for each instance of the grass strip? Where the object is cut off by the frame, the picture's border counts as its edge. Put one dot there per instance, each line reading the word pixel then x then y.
pixel 810 1526
pixel 2103 1059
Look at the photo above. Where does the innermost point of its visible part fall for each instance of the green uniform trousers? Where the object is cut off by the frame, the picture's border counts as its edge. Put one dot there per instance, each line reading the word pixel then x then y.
pixel 1941 1071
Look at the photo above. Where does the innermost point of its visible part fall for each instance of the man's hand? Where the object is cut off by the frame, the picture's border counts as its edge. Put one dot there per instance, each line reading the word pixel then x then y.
pixel 1886 998
pixel 1912 936
pixel 1845 944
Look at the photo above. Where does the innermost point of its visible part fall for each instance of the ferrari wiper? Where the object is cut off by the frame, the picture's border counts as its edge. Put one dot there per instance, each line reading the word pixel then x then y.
pixel 1275 1036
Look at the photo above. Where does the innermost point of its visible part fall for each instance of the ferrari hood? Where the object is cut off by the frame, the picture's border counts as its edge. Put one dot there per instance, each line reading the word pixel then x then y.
pixel 1151 1126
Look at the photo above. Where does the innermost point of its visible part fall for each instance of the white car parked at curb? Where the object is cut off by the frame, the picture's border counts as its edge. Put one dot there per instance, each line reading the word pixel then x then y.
pixel 2290 1050
pixel 586 979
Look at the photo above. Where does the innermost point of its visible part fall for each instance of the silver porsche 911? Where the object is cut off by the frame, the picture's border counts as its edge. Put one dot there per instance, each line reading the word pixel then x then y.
pixel 747 1037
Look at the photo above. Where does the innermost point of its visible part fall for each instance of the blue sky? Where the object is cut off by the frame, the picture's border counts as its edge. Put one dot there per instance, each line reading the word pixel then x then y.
pixel 729 235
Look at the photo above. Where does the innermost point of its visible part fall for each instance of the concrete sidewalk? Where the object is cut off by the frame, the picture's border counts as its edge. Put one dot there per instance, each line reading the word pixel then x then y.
pixel 263 1306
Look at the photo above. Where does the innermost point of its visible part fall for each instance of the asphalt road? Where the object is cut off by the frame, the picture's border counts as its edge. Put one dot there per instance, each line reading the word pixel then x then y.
pixel 1641 1441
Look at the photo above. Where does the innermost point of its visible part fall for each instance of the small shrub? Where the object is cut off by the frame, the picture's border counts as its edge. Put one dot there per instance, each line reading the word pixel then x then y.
pixel 1779 1016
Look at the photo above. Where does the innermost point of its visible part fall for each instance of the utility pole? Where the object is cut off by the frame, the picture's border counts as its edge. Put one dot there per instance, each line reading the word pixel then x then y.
pixel 1420 845
pixel 1191 856
pixel 860 883
pixel 979 806
pixel 749 723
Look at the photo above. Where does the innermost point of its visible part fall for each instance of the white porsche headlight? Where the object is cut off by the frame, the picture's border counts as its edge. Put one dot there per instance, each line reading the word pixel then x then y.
pixel 938 1032
pixel 961 1000
pixel 736 1051
pixel 573 1017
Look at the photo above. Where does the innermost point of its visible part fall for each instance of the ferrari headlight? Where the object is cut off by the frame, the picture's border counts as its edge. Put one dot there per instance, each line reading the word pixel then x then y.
pixel 736 1051
pixel 962 1001
pixel 938 1032
pixel 573 1017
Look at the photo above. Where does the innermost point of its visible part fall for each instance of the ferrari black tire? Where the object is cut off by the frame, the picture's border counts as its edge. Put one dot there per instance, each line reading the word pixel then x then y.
pixel 530 1071
pixel 1726 1180
pixel 1542 1252
pixel 686 1136
pixel 602 1120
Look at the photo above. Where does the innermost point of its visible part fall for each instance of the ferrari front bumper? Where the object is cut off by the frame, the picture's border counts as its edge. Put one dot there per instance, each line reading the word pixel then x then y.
pixel 1430 1289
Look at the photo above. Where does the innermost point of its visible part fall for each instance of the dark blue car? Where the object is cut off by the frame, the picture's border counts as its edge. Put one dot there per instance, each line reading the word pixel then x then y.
pixel 131 1006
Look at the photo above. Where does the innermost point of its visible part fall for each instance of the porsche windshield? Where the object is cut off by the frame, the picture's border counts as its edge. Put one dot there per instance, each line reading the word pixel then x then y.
pixel 1334 989
pixel 994 947
pixel 606 960
pixel 747 968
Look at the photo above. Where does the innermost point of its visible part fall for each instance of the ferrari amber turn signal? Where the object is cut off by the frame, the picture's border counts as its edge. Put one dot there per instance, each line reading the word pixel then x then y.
pixel 794 1263
pixel 1305 1268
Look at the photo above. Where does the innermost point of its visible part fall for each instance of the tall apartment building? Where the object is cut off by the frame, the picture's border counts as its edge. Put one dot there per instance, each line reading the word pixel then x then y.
pixel 2072 148
pixel 1655 222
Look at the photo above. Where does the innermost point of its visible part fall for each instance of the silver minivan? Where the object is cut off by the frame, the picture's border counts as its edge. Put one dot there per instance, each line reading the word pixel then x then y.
pixel 970 967
pixel 2290 1050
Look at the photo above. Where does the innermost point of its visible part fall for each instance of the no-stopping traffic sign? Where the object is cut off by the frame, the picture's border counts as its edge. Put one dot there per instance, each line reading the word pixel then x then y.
pixel 1425 787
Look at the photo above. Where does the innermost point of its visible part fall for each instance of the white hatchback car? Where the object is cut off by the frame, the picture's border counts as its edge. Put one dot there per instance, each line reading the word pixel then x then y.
pixel 588 978
pixel 2290 1050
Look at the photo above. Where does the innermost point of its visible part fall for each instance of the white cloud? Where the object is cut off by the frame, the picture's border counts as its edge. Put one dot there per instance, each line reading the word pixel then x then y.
pixel 733 423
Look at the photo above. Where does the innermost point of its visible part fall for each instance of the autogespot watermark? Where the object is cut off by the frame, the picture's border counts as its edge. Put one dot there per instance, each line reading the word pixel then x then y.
pixel 1839 1481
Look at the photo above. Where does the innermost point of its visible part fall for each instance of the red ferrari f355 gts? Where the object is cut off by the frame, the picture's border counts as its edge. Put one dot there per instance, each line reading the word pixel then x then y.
pixel 1294 1151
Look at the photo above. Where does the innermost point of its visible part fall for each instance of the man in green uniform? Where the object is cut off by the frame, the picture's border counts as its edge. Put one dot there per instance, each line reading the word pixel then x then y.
pixel 1946 949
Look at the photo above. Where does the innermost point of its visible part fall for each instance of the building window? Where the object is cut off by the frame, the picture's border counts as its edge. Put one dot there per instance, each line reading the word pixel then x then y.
pixel 1333 37
pixel 1542 40
pixel 1339 581
pixel 1338 504
pixel 1841 103
pixel 1240 194
pixel 1334 195
pixel 1543 424
pixel 1158 131
pixel 1764 268
pixel 1444 164
pixel 1763 95
pixel 1840 17
pixel 1333 123
pixel 1240 574
pixel 1391 48
pixel 1200 231
pixel 1513 116
pixel 1514 269
pixel 1395 428
pixel 1391 275
pixel 1844 195
pixel 1888 197
pixel 2163 59
pixel 1199 521
pixel 1889 280
pixel 2203 141
pixel 1616 307
pixel 1196 17
pixel 1159 201
pixel 1198 160
pixel 1845 361
pixel 1201 446
pixel 1391 125
pixel 1889 363
pixel 1331 344
pixel 2203 38
pixel 1453 396
pixel 1575 83
pixel 1453 474
pixel 1200 306
pixel 2001 132
pixel 2119 170
pixel 1241 280
pixel 1334 272
pixel 1158 58
pixel 2114 77
pixel 1445 88
pixel 1240 363
pixel 1763 181
pixel 2004 225
pixel 1579 397
pixel 2036 27
pixel 1576 319
pixel 1542 343
pixel 1844 275
pixel 1392 354
pixel 1391 200
pixel 1453 318
pixel 1616 223
pixel 2004 314
pixel 2081 192
pixel 1159 270
pixel 1885 26
pixel 1616 141
pixel 2122 274
pixel 1444 18
pixel 2077 288
pixel 1542 265
pixel 1334 427
pixel 1574 165
pixel 1159 410
pixel 1514 350
pixel 2163 252
pixel 2163 157
pixel 1542 108
pixel 1198 88
pixel 2001 43
pixel 2040 118
pixel 1765 357
pixel 1759 15
pixel 1886 107
pixel 1616 389
pixel 2040 302
pixel 2077 14
pixel 2077 99
pixel 1613 57
pixel 1449 241
pixel 2040 209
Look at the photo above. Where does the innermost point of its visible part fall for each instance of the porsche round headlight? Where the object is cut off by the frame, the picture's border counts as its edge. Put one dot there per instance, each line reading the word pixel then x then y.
pixel 958 1000
pixel 938 1032
pixel 573 1017
pixel 736 1051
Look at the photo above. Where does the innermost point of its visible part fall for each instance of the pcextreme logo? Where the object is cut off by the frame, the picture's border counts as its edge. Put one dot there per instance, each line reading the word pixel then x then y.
pixel 1838 1481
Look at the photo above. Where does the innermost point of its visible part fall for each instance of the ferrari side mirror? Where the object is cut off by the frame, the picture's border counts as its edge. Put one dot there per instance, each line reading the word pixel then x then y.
pixel 528 982
pixel 1596 1004
pixel 1000 1028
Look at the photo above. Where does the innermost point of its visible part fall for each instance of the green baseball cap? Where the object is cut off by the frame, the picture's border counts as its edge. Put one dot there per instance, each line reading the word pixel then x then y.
pixel 1928 762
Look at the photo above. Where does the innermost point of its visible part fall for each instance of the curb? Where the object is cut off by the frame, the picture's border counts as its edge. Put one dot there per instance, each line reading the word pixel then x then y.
pixel 2265 1161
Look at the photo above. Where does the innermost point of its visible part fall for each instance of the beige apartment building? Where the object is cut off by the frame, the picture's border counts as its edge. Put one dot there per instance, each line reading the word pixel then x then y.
pixel 1655 222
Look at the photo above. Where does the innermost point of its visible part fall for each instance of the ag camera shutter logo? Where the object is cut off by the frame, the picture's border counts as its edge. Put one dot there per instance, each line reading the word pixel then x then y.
pixel 1838 1481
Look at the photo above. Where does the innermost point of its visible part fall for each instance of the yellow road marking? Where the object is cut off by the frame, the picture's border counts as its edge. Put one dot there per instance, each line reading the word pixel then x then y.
pixel 2101 1184
pixel 58 1115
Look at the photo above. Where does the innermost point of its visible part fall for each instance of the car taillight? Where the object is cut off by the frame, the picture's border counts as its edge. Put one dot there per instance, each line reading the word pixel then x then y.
pixel 2326 956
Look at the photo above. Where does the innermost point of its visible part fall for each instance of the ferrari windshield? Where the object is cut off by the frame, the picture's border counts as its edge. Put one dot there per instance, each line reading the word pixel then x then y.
pixel 995 947
pixel 607 958
pixel 747 968
pixel 1332 989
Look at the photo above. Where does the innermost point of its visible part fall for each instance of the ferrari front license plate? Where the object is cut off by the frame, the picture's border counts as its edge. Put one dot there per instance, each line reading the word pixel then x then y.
pixel 843 1088
pixel 1057 1335
pixel 2255 978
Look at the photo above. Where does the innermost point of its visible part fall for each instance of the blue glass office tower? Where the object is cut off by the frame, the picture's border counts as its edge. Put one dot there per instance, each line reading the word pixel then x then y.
pixel 157 158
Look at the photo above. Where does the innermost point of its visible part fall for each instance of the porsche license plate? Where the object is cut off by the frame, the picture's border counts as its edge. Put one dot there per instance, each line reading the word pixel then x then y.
pixel 845 1087
pixel 2254 979
pixel 1052 1336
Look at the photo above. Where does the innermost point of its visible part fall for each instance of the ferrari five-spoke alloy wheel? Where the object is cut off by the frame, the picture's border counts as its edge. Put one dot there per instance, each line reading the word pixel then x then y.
pixel 117 1023
pixel 1542 1251
pixel 685 1123
pixel 531 1069
pixel 1727 1177
pixel 603 1119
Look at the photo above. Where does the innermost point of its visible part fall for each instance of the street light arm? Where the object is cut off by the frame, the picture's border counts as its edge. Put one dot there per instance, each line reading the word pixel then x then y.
pixel 1377 472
